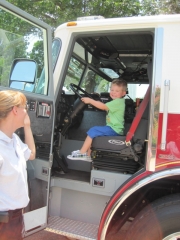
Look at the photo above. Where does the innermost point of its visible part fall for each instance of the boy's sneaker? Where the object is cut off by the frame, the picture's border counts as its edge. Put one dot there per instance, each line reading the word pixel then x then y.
pixel 76 155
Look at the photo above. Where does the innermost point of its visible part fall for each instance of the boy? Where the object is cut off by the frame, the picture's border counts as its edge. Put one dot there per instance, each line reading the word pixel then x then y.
pixel 114 119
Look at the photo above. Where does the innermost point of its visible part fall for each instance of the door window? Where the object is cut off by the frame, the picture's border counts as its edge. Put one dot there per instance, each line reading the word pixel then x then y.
pixel 94 83
pixel 74 74
pixel 21 39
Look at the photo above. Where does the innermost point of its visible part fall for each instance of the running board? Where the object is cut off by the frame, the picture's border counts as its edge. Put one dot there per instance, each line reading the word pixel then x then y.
pixel 72 229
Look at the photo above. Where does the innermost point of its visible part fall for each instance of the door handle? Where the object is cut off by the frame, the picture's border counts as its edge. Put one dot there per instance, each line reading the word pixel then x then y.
pixel 165 114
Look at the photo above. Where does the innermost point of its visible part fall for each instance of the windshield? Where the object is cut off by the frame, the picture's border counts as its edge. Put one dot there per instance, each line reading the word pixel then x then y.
pixel 81 72
pixel 40 84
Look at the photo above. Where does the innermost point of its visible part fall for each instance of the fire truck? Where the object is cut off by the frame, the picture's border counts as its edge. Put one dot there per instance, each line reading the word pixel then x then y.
pixel 131 187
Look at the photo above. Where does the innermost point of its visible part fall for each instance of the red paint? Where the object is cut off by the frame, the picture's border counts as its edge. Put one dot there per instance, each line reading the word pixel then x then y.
pixel 172 153
pixel 117 196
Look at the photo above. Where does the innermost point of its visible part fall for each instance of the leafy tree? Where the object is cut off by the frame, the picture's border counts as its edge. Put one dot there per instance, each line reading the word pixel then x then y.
pixel 14 42
pixel 153 7
pixel 55 12
pixel 37 54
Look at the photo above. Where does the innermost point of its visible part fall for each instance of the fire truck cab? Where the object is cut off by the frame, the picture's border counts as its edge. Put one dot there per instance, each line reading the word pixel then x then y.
pixel 131 187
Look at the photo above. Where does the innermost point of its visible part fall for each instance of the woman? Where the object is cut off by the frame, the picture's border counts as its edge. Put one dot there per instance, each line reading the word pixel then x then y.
pixel 13 156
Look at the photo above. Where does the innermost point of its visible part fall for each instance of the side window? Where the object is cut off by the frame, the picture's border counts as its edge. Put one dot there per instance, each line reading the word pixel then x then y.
pixel 74 73
pixel 41 83
pixel 93 83
pixel 82 75
pixel 20 39
pixel 137 91
pixel 56 47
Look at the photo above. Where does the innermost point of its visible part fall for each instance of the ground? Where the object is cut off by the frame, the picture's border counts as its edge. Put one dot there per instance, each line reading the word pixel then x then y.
pixel 43 235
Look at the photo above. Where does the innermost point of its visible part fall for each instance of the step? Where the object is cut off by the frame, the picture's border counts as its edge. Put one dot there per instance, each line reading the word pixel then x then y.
pixel 72 229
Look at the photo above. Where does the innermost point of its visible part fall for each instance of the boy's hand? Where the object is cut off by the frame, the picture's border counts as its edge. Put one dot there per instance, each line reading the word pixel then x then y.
pixel 86 100
pixel 95 103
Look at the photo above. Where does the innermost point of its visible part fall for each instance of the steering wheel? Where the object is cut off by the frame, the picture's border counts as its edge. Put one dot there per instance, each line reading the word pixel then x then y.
pixel 75 89
pixel 78 108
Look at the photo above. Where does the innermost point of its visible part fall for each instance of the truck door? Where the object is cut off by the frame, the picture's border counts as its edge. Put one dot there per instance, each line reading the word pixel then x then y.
pixel 23 37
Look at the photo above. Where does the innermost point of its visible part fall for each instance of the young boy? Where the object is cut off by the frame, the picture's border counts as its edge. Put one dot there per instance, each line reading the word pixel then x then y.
pixel 114 119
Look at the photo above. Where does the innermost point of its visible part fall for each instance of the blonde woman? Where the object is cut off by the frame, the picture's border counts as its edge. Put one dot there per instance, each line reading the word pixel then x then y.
pixel 13 156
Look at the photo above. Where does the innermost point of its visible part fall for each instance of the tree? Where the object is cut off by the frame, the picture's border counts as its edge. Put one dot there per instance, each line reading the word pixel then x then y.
pixel 154 7
pixel 56 12
pixel 37 54
pixel 15 41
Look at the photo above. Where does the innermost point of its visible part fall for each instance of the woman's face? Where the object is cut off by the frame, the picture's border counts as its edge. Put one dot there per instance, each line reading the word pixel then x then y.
pixel 21 113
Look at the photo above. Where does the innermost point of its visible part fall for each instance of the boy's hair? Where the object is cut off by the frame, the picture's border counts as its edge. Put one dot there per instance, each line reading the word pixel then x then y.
pixel 121 83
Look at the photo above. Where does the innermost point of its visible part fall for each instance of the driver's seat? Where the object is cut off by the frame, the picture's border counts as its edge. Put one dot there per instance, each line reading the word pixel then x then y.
pixel 113 153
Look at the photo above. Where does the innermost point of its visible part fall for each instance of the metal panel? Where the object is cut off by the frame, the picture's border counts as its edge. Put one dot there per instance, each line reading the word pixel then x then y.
pixel 154 112
pixel 35 218
pixel 72 229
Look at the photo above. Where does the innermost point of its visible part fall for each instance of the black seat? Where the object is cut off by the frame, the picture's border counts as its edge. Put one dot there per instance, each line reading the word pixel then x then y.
pixel 129 107
pixel 112 153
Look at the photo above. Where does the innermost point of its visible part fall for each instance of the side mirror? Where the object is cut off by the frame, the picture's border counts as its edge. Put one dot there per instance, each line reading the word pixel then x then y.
pixel 23 70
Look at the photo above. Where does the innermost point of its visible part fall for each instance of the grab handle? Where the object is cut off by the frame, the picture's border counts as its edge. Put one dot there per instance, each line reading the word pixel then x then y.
pixel 165 114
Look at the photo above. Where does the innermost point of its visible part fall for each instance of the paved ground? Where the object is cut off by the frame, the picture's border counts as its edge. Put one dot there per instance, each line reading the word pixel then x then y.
pixel 45 235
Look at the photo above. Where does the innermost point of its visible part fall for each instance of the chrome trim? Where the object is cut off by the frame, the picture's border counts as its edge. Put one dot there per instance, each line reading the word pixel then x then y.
pixel 165 114
pixel 134 188
pixel 155 92
pixel 173 236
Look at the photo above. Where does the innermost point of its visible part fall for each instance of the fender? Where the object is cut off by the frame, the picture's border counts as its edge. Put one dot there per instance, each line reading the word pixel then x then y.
pixel 128 188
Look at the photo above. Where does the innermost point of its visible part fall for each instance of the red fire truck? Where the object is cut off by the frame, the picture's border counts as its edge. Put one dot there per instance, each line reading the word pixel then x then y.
pixel 131 187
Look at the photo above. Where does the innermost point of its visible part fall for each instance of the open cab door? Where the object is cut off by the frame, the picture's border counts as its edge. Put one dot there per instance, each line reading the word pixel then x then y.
pixel 26 65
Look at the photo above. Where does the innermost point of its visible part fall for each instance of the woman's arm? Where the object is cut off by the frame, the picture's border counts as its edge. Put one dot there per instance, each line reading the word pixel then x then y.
pixel 29 140
pixel 96 104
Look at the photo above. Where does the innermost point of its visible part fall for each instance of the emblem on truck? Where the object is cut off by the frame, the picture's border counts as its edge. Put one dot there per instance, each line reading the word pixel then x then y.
pixel 116 142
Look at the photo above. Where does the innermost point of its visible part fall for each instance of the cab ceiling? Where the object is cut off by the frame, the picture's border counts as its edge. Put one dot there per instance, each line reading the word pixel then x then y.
pixel 127 54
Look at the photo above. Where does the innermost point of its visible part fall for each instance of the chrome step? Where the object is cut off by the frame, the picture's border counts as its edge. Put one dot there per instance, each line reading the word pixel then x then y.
pixel 72 229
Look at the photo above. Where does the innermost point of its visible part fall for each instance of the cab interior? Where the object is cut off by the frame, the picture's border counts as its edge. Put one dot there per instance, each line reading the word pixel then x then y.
pixel 95 61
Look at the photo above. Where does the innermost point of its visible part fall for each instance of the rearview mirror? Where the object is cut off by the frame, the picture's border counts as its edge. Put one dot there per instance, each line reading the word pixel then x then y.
pixel 23 70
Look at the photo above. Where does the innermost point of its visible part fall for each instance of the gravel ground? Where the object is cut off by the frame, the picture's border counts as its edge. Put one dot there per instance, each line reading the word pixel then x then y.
pixel 43 235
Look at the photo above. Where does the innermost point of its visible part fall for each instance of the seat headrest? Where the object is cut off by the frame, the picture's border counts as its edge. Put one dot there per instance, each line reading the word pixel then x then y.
pixel 104 94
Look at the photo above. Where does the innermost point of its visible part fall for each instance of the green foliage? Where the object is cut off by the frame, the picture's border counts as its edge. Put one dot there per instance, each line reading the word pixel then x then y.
pixel 14 33
pixel 37 54
pixel 56 12
pixel 15 25
pixel 154 7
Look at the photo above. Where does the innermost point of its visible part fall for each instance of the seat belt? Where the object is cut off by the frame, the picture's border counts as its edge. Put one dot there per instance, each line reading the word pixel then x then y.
pixel 138 117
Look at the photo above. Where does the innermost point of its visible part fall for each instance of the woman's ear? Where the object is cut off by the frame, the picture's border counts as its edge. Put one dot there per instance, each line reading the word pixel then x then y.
pixel 14 110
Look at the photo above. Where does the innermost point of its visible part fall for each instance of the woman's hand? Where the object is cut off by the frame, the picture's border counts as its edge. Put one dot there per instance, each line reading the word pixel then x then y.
pixel 27 121
pixel 29 140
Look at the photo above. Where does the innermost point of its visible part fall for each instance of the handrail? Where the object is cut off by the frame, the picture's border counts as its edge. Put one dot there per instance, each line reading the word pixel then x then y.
pixel 165 114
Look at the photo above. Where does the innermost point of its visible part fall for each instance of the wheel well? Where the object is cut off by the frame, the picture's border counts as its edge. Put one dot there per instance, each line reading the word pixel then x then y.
pixel 138 200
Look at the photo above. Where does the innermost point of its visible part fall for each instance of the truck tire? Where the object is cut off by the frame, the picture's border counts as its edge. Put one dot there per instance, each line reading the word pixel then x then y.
pixel 157 221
